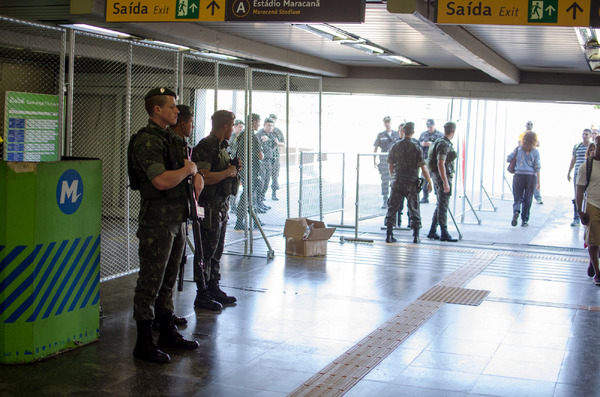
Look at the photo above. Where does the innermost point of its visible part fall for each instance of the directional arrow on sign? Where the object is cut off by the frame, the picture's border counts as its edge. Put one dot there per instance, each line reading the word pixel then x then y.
pixel 213 4
pixel 550 10
pixel 574 7
pixel 193 7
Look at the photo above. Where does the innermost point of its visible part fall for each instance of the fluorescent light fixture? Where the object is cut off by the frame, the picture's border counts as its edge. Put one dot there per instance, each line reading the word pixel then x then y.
pixel 326 31
pixel 588 39
pixel 364 47
pixel 216 55
pixel 349 40
pixel 397 59
pixel 166 44
pixel 96 29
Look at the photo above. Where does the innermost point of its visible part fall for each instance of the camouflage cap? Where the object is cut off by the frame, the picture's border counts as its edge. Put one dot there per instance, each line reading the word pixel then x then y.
pixel 160 91
pixel 269 120
pixel 238 122
pixel 387 118
pixel 430 123
pixel 273 116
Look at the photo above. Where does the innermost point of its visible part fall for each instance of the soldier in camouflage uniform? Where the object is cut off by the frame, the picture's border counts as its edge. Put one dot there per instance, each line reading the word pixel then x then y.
pixel 441 164
pixel 161 168
pixel 221 181
pixel 404 160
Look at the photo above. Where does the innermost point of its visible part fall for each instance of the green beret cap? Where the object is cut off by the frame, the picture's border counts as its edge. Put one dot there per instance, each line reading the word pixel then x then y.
pixel 160 91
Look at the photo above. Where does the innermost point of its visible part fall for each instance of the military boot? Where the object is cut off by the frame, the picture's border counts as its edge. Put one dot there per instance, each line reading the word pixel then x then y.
pixel 179 321
pixel 445 236
pixel 416 238
pixel 169 337
pixel 218 294
pixel 390 235
pixel 205 301
pixel 145 348
pixel 432 233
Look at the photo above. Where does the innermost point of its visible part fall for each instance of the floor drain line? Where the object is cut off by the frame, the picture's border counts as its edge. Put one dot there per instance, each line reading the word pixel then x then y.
pixel 348 369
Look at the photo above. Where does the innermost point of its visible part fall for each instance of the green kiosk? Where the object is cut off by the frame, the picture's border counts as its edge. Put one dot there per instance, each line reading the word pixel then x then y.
pixel 50 216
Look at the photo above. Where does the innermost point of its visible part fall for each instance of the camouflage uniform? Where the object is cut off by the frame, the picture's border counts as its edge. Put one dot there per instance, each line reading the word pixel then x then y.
pixel 242 207
pixel 162 217
pixel 407 157
pixel 211 155
pixel 277 133
pixel 269 147
pixel 444 151
pixel 384 141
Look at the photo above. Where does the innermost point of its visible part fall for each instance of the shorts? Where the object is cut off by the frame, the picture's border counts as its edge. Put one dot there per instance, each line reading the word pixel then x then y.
pixel 592 230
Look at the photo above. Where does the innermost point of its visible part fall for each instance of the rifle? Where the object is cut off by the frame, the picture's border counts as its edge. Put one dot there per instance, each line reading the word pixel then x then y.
pixel 196 213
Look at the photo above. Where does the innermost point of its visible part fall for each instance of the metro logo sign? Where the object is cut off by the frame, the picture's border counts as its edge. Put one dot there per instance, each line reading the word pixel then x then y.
pixel 514 12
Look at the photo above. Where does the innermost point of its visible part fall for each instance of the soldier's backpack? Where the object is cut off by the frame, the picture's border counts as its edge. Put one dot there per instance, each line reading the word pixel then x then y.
pixel 432 162
pixel 134 180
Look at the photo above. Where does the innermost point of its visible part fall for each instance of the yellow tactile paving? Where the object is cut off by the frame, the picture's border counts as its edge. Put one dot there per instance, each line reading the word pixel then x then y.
pixel 347 370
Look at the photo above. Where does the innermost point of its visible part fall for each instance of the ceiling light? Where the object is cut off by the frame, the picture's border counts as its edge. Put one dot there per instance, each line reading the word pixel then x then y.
pixel 398 59
pixel 364 47
pixel 326 31
pixel 96 29
pixel 216 55
pixel 166 44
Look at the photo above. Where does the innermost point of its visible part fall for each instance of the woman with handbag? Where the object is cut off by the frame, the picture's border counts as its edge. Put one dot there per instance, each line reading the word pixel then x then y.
pixel 527 167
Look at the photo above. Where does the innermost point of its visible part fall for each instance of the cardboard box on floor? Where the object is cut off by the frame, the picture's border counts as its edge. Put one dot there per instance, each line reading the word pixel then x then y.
pixel 316 242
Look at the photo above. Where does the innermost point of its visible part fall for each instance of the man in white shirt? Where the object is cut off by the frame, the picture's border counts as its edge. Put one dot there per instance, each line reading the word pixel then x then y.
pixel 590 215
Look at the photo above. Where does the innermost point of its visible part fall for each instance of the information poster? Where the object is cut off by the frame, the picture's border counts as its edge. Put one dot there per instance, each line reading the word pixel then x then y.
pixel 31 127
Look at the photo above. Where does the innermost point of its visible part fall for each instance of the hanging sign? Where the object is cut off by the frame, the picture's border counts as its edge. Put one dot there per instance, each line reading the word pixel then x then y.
pixel 296 11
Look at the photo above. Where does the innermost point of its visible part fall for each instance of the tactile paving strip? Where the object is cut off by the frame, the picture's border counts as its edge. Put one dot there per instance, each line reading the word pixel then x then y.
pixel 458 296
pixel 349 368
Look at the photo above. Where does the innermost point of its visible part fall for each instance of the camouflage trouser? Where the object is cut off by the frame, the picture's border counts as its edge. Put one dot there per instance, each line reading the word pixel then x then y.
pixel 213 240
pixel 399 192
pixel 266 171
pixel 385 178
pixel 160 250
pixel 440 215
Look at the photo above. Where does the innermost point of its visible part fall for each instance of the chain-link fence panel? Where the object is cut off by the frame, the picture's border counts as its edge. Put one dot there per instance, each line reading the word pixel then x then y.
pixel 372 185
pixel 32 70
pixel 268 99
pixel 305 170
pixel 198 90
pixel 100 130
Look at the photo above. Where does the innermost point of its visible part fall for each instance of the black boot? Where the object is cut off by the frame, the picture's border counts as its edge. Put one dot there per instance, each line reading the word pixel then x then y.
pixel 432 233
pixel 169 337
pixel 416 238
pixel 205 301
pixel 218 295
pixel 447 237
pixel 145 348
pixel 390 235
pixel 178 321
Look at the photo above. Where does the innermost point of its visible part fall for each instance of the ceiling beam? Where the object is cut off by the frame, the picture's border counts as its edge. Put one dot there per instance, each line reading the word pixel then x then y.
pixel 197 36
pixel 455 39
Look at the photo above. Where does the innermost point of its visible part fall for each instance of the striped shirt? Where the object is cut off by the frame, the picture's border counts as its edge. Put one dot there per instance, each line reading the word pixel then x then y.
pixel 579 153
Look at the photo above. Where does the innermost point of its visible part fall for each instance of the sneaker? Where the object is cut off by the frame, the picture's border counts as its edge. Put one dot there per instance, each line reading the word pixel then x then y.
pixel 524 224
pixel 539 201
pixel 514 219
pixel 596 280
pixel 576 222
pixel 590 270
pixel 424 200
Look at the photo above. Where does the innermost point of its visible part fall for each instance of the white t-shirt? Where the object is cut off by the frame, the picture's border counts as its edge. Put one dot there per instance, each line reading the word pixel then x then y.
pixel 593 190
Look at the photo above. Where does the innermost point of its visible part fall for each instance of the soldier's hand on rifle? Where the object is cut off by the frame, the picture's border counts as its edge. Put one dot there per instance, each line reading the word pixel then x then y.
pixel 232 170
pixel 198 184
pixel 190 167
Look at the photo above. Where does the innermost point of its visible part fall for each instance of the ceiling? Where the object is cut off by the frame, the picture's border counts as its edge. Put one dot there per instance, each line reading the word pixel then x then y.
pixel 506 55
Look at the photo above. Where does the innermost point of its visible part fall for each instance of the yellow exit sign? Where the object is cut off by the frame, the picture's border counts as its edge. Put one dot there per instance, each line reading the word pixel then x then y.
pixel 514 12
pixel 165 10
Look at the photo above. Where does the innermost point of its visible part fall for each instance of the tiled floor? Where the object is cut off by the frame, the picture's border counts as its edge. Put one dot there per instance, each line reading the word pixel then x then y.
pixel 535 334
